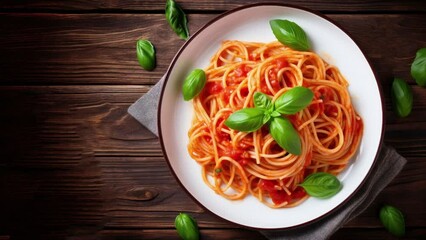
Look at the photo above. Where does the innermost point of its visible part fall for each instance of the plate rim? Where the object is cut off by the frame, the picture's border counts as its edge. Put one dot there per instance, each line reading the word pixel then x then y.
pixel 229 12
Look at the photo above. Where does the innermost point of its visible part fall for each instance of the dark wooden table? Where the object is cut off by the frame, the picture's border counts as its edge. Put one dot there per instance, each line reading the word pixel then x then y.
pixel 75 165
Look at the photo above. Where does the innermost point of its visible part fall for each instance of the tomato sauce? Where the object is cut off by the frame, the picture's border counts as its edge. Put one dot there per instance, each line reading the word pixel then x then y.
pixel 239 155
pixel 242 70
pixel 281 63
pixel 214 88
pixel 226 93
pixel 280 196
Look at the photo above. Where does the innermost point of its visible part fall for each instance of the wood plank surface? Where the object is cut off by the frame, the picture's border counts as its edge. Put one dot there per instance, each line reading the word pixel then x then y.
pixel 74 164
pixel 68 52
pixel 188 5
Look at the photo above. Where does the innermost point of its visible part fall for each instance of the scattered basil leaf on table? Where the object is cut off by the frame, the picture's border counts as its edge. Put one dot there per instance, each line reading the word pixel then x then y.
pixel 321 185
pixel 402 97
pixel 290 34
pixel 294 100
pixel 177 19
pixel 193 84
pixel 418 67
pixel 393 220
pixel 186 227
pixel 246 119
pixel 145 53
pixel 285 135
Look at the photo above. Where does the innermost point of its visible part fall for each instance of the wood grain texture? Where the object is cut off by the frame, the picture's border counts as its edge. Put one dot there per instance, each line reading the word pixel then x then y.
pixel 57 49
pixel 187 5
pixel 73 163
pixel 237 234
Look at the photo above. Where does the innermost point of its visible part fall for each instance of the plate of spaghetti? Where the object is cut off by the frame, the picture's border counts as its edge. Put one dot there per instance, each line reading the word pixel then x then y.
pixel 272 135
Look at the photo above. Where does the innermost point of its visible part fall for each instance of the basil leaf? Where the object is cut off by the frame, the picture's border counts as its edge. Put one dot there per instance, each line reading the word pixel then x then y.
pixel 177 19
pixel 393 220
pixel 262 100
pixel 193 84
pixel 418 67
pixel 266 117
pixel 321 185
pixel 283 132
pixel 290 34
pixel 402 97
pixel 246 120
pixel 294 100
pixel 145 52
pixel 186 227
pixel 275 114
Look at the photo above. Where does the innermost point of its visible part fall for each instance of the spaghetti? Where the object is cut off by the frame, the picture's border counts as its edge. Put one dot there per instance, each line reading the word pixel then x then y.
pixel 236 164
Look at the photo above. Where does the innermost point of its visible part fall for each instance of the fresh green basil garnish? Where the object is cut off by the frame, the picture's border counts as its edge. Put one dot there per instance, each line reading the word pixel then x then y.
pixel 262 100
pixel 402 97
pixel 281 129
pixel 418 67
pixel 321 185
pixel 193 84
pixel 246 119
pixel 177 19
pixel 393 220
pixel 145 52
pixel 290 34
pixel 285 135
pixel 275 114
pixel 294 100
pixel 186 227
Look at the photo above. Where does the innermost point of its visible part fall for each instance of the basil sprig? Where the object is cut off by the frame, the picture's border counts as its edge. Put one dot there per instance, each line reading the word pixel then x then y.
pixel 145 52
pixel 393 220
pixel 290 34
pixel 266 111
pixel 186 227
pixel 193 84
pixel 402 97
pixel 321 185
pixel 418 67
pixel 177 19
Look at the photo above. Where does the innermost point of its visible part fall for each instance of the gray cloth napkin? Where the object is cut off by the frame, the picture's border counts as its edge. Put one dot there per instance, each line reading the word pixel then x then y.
pixel 145 108
pixel 388 165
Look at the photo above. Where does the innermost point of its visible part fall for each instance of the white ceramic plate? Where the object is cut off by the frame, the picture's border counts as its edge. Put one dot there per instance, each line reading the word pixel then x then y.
pixel 251 23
